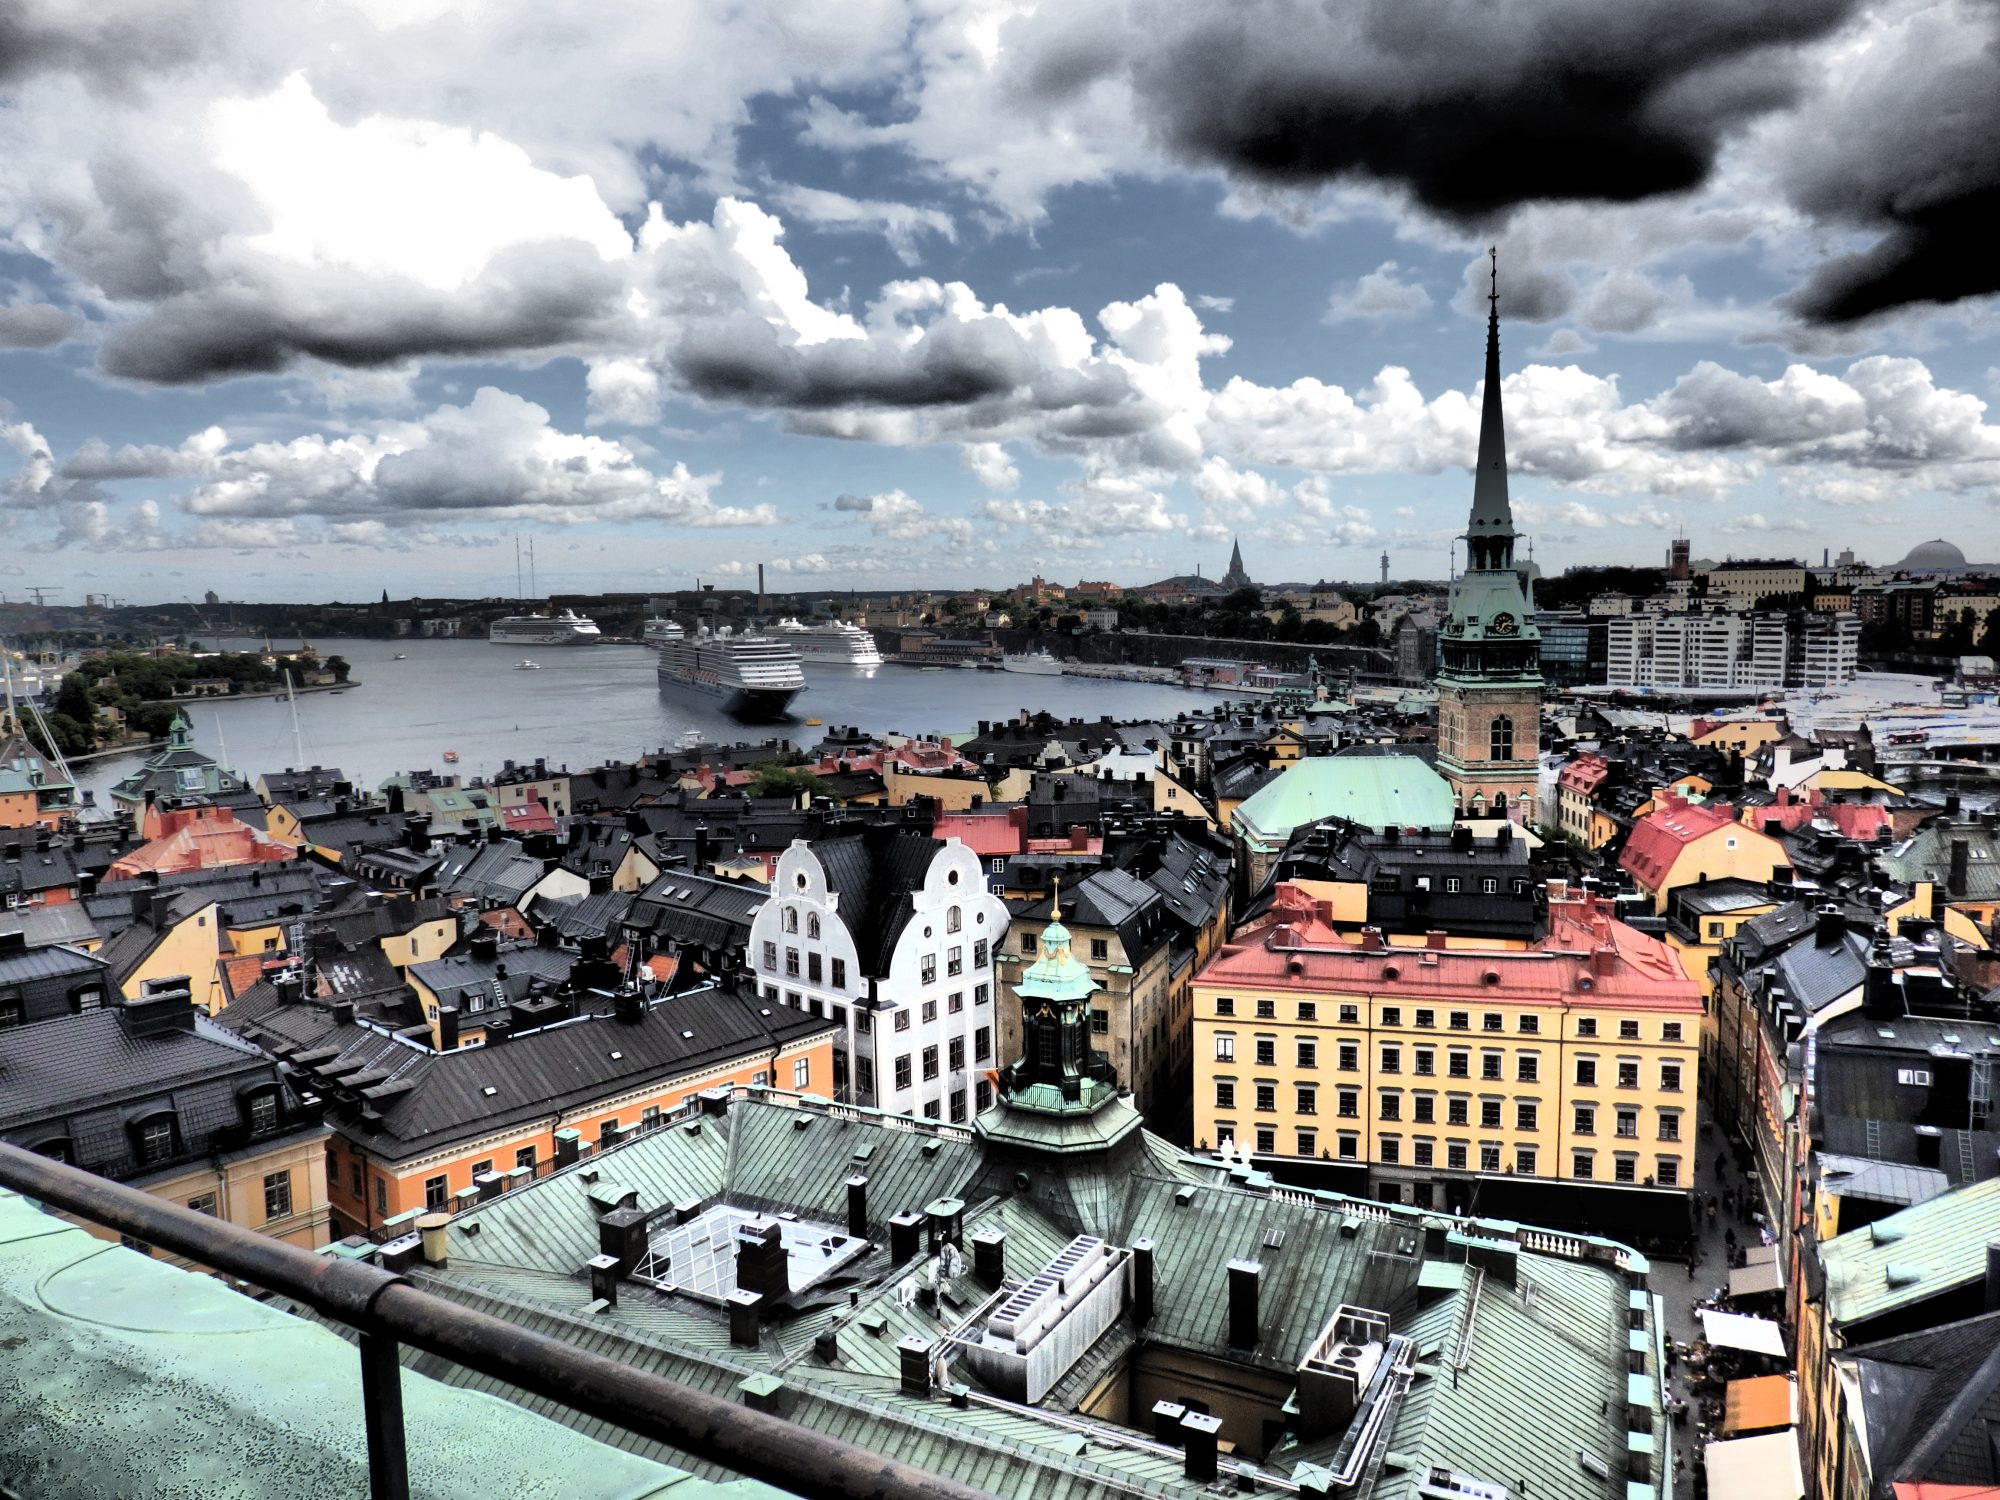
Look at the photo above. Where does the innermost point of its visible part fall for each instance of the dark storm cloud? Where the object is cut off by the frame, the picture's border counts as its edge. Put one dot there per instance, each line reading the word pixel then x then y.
pixel 854 502
pixel 1918 165
pixel 1476 107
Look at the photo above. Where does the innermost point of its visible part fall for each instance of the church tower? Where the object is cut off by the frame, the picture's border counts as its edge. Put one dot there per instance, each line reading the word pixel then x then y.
pixel 1490 684
pixel 1236 577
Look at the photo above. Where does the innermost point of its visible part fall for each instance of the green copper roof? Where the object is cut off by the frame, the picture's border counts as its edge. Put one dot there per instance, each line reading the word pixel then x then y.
pixel 1057 974
pixel 1913 1255
pixel 124 1376
pixel 1373 790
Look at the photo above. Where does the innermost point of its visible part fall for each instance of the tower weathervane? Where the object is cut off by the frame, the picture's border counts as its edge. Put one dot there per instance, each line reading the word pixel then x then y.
pixel 1493 290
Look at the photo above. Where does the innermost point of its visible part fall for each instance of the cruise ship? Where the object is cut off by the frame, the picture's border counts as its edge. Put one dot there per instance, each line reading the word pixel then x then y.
pixel 752 676
pixel 1041 663
pixel 834 644
pixel 567 628
pixel 659 630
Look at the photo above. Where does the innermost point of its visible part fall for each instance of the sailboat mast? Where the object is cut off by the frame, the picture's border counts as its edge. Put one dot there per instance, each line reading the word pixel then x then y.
pixel 298 745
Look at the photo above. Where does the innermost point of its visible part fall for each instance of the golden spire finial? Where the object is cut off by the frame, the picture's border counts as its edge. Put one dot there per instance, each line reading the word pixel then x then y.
pixel 1055 907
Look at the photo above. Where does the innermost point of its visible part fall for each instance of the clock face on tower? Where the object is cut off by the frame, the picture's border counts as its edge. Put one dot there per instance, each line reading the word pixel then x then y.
pixel 1503 624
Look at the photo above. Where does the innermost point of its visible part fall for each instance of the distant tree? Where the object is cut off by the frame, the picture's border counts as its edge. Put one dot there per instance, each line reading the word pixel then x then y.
pixel 73 703
pixel 338 665
pixel 1989 634
pixel 72 738
pixel 773 778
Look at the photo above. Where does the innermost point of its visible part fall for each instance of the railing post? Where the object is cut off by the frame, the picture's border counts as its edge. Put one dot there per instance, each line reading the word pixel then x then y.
pixel 382 1405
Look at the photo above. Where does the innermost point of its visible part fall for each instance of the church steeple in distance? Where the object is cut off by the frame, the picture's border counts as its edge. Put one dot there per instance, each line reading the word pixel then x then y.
pixel 1490 534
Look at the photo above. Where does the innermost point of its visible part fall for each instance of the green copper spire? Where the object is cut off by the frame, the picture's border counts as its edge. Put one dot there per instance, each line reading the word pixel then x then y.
pixel 1490 536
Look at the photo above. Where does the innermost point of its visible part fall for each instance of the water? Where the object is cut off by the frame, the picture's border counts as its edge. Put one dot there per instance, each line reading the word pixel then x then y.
pixel 591 704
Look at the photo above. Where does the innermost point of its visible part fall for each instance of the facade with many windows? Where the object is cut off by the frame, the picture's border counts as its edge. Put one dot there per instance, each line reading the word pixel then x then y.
pixel 1429 1075
pixel 891 935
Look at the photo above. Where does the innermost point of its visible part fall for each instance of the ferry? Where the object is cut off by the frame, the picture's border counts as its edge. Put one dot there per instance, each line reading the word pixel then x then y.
pixel 566 628
pixel 754 676
pixel 834 644
pixel 1042 663
pixel 659 630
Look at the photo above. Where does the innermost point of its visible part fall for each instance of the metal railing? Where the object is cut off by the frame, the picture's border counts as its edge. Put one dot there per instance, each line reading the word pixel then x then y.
pixel 387 1312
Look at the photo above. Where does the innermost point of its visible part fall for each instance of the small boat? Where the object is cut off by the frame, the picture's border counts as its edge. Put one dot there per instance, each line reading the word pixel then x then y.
pixel 402 656
pixel 690 740
pixel 525 665
pixel 451 757
pixel 813 723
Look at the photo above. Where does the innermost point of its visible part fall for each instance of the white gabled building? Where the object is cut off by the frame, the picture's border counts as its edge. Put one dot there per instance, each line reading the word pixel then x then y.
pixel 891 933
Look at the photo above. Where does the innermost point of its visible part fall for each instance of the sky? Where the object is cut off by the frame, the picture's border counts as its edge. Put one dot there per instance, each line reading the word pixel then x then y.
pixel 308 302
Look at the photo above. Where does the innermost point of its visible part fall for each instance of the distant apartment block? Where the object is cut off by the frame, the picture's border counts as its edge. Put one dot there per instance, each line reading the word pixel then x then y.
pixel 1732 650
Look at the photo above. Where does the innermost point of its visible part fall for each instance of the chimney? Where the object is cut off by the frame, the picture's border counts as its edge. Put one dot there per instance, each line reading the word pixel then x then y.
pixel 1993 1277
pixel 903 1236
pixel 743 1306
pixel 1880 998
pixel 164 1006
pixel 484 943
pixel 914 1356
pixel 1198 1435
pixel 447 1032
pixel 430 1229
pixel 621 1234
pixel 1167 1422
pixel 1961 866
pixel 603 1279
pixel 761 1263
pixel 1142 1281
pixel 1243 1278
pixel 1829 926
pixel 989 1256
pixel 569 1147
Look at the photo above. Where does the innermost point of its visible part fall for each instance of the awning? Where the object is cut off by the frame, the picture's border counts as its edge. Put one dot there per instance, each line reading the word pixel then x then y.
pixel 1759 1405
pixel 1756 1468
pixel 1758 1255
pixel 1748 1281
pixel 1735 1331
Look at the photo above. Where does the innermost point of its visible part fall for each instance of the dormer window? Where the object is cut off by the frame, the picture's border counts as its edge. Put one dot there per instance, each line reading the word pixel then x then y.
pixel 154 1138
pixel 263 1112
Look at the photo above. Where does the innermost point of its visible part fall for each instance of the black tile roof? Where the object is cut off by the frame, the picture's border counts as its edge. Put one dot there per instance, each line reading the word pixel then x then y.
pixel 874 873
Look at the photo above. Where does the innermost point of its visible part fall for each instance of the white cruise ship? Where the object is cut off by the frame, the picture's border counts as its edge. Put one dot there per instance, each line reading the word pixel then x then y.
pixel 834 644
pixel 752 676
pixel 1041 663
pixel 659 630
pixel 567 628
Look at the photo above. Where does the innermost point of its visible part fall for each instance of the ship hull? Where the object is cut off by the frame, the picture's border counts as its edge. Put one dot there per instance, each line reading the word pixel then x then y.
pixel 528 635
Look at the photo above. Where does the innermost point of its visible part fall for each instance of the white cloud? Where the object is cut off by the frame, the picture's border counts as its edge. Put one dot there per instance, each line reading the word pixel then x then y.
pixel 1379 295
pixel 991 466
pixel 1215 304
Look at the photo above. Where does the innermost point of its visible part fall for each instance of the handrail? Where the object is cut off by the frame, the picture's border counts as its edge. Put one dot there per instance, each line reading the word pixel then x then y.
pixel 386 1310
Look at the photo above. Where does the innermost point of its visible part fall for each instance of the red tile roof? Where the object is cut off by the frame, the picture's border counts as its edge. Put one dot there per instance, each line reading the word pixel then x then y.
pixel 1585 774
pixel 1657 839
pixel 1587 958
pixel 199 838
pixel 529 816
pixel 990 833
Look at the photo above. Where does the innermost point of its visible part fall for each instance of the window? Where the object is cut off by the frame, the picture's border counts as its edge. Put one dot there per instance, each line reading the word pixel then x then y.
pixel 1427 1018
pixel 1350 1015
pixel 1392 1015
pixel 1350 1146
pixel 839 974
pixel 1586 1119
pixel 11 1013
pixel 927 968
pixel 1308 1099
pixel 1670 1031
pixel 1267 1010
pixel 864 1075
pixel 979 954
pixel 1628 1123
pixel 1422 1152
pixel 1454 1155
pixel 1500 738
pixel 954 1054
pixel 930 1109
pixel 1426 1060
pixel 203 1203
pixel 1267 1052
pixel 902 1020
pixel 1100 1021
pixel 1583 1164
pixel 1099 949
pixel 1456 1110
pixel 525 1157
pixel 156 1139
pixel 1628 1031
pixel 903 1071
pixel 1308 1010
pixel 1489 1156
pixel 1528 1067
pixel 382 1196
pixel 1452 885
pixel 1225 1093
pixel 1524 1160
pixel 1350 1056
pixel 649 1117
pixel 1392 1106
pixel 1267 1140
pixel 1670 1125
pixel 930 1011
pixel 812 924
pixel 801 1073
pixel 1391 1150
pixel 1625 1169
pixel 982 994
pixel 1350 1104
pixel 791 919
pixel 813 968
pixel 1667 1171
pixel 1392 1059
pixel 277 1195
pixel 957 1107
pixel 954 962
pixel 952 921
pixel 955 1002
pixel 1461 1021
pixel 1458 1063
pixel 1027 942
pixel 1425 1106
pixel 791 963
pixel 1225 1006
pixel 1586 1026
pixel 982 1046
pixel 1586 1072
pixel 1492 1020
pixel 1670 1077
pixel 930 1062
pixel 1489 1114
pixel 1492 1065
pixel 864 1022
pixel 1308 1054
pixel 1225 1046
pixel 1530 1024
pixel 1308 1143
pixel 1267 1098
pixel 263 1113
pixel 354 1175
pixel 1914 1077
pixel 1526 1115
pixel 1489 885
pixel 1628 1073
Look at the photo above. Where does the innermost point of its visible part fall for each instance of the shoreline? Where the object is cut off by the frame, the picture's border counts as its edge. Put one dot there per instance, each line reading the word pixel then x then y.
pixel 318 687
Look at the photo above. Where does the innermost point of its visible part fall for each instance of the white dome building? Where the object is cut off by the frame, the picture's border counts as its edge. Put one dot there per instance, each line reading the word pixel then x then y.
pixel 1934 556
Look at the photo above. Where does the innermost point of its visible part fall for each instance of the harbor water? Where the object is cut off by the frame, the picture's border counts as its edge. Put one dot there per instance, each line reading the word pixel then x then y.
pixel 589 704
